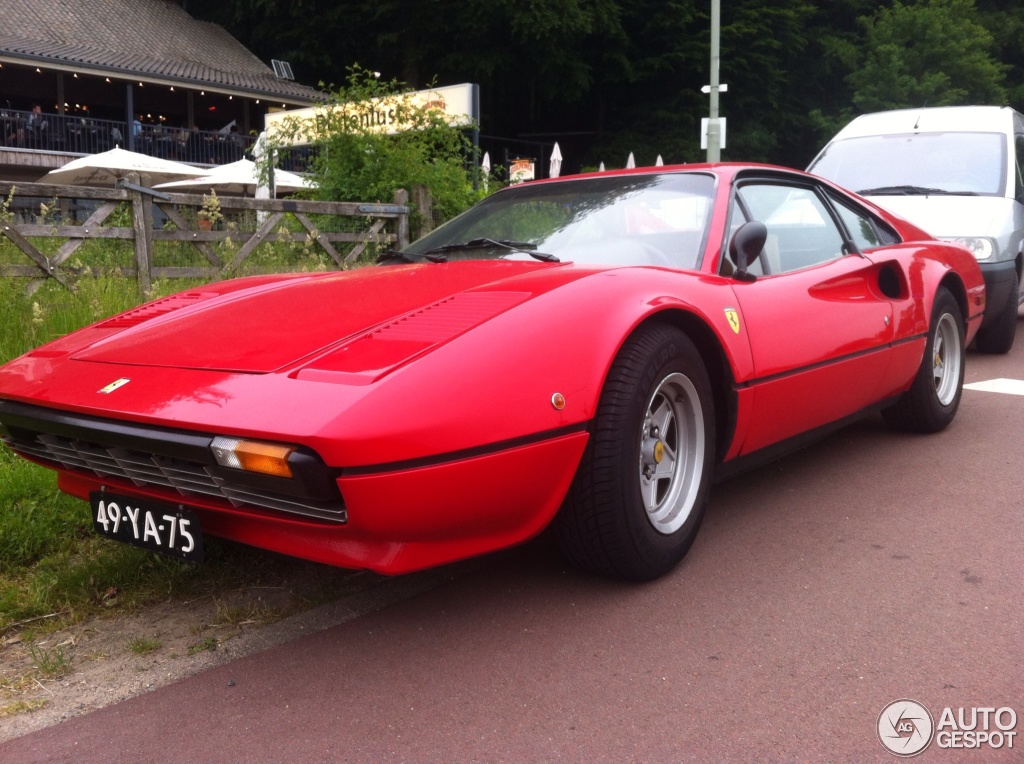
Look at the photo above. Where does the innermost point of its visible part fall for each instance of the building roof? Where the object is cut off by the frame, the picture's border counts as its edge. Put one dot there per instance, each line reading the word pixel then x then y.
pixel 151 39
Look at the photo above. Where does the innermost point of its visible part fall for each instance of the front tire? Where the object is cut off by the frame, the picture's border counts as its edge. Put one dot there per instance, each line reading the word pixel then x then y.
pixel 638 498
pixel 998 336
pixel 932 400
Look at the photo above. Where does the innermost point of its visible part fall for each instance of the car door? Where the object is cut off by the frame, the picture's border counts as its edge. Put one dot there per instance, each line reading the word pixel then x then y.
pixel 818 321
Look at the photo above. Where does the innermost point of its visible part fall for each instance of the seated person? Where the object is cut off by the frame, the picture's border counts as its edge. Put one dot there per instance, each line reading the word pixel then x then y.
pixel 36 128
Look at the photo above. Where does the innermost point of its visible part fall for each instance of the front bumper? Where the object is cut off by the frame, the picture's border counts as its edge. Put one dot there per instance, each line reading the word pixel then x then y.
pixel 998 280
pixel 395 520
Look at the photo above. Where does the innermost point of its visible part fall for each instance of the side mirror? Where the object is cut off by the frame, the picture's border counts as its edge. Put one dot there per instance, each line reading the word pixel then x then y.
pixel 745 247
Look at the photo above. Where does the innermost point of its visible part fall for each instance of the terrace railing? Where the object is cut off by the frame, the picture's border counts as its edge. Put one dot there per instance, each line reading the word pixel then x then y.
pixel 74 134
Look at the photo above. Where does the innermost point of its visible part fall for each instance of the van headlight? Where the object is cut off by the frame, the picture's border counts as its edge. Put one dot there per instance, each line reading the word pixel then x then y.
pixel 980 247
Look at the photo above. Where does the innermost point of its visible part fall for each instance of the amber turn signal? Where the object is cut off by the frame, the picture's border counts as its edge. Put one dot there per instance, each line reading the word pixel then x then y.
pixel 253 456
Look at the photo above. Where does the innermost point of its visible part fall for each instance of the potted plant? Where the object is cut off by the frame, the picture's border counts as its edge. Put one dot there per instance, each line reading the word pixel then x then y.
pixel 209 213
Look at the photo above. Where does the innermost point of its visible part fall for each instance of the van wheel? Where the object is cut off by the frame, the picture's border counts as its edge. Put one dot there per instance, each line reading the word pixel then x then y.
pixel 997 337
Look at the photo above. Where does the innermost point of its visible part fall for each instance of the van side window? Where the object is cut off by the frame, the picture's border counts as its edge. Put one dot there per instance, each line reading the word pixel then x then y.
pixel 1018 186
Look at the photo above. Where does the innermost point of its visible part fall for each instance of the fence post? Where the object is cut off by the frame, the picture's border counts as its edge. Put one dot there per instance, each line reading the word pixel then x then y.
pixel 402 197
pixel 424 204
pixel 142 222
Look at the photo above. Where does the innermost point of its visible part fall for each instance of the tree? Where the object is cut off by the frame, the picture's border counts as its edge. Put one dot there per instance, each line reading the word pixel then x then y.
pixel 607 77
pixel 1005 20
pixel 932 53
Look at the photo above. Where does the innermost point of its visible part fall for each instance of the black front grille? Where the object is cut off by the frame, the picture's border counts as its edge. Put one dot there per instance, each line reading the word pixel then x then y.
pixel 116 450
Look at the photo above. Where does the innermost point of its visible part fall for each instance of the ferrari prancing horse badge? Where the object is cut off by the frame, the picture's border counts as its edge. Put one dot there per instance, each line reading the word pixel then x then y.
pixel 114 385
pixel 733 318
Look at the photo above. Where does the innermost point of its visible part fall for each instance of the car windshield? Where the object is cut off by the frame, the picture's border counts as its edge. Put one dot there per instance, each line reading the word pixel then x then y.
pixel 917 164
pixel 651 219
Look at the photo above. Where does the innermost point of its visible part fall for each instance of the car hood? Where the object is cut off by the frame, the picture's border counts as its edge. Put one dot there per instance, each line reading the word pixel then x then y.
pixel 296 321
pixel 952 216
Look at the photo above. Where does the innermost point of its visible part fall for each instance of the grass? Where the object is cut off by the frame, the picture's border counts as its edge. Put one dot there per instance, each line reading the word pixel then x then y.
pixel 54 570
pixel 51 663
pixel 144 645
pixel 208 644
pixel 21 707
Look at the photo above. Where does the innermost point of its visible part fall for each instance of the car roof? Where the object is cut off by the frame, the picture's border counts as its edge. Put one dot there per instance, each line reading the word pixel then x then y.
pixel 722 169
pixel 935 119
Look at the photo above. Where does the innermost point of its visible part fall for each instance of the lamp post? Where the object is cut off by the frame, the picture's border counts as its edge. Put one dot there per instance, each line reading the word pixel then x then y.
pixel 714 130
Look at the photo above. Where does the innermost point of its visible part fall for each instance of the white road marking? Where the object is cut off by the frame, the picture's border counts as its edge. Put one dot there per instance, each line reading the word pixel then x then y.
pixel 1008 386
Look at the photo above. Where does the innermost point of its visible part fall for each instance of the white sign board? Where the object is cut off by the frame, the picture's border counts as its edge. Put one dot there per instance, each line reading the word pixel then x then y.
pixel 460 104
pixel 704 132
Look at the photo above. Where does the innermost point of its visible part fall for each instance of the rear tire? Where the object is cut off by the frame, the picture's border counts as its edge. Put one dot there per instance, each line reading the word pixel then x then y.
pixel 638 498
pixel 998 336
pixel 932 400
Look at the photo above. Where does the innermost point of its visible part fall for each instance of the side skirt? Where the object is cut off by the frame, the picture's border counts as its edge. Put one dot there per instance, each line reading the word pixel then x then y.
pixel 738 466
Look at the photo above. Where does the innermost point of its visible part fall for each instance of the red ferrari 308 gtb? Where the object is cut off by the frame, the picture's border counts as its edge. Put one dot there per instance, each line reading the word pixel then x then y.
pixel 592 351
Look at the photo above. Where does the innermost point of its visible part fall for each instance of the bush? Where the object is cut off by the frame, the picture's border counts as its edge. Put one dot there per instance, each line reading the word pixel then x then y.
pixel 357 161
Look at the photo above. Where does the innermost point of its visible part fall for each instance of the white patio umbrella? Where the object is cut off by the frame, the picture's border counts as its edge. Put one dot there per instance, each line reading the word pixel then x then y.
pixel 631 162
pixel 601 167
pixel 105 168
pixel 241 177
pixel 555 164
pixel 659 162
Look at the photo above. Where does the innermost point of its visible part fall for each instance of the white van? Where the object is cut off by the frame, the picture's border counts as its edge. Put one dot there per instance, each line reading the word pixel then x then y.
pixel 956 172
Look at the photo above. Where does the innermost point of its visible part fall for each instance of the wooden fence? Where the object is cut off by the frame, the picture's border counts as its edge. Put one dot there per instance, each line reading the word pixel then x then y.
pixel 382 225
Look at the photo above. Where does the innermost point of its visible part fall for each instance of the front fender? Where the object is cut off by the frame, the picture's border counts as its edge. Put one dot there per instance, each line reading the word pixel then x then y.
pixel 496 383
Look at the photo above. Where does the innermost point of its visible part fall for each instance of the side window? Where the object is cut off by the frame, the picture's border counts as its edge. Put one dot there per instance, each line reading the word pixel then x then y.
pixel 801 232
pixel 862 229
pixel 1018 190
pixel 737 217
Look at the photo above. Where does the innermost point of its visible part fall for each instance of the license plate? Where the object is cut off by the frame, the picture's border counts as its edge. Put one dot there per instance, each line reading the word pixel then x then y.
pixel 163 528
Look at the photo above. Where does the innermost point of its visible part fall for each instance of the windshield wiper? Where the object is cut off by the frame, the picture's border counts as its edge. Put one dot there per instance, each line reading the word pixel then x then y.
pixel 515 246
pixel 904 191
pixel 393 255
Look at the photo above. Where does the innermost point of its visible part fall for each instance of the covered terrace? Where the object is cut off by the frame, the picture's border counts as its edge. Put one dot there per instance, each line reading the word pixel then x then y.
pixel 80 78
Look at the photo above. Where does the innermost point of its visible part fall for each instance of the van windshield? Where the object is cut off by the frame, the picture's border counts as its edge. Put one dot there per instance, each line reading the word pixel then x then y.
pixel 917 163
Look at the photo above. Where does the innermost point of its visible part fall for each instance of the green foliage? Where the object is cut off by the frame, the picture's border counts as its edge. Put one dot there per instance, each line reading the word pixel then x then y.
pixel 144 645
pixel 6 214
pixel 931 53
pixel 1004 19
pixel 208 644
pixel 211 209
pixel 358 161
pixel 626 76
pixel 52 663
pixel 35 518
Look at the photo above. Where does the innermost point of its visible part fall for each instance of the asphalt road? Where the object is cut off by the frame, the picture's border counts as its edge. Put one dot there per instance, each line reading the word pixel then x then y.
pixel 872 567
